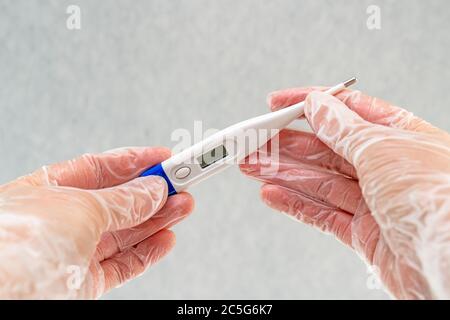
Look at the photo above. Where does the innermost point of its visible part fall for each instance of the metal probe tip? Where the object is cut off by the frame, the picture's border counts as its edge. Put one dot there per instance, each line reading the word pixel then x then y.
pixel 349 82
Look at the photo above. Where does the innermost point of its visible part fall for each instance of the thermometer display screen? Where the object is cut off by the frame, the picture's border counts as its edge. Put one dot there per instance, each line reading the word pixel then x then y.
pixel 212 156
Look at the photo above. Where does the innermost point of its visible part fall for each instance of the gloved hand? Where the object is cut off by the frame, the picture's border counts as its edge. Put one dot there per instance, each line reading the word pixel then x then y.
pixel 373 175
pixel 79 228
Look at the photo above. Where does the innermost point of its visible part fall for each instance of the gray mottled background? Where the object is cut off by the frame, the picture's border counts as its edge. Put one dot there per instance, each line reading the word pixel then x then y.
pixel 139 69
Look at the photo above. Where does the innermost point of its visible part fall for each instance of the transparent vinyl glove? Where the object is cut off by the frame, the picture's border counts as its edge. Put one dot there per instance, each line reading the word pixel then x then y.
pixel 373 175
pixel 80 228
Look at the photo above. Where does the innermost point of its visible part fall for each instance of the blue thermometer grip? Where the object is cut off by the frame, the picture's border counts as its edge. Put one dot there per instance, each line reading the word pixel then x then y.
pixel 158 170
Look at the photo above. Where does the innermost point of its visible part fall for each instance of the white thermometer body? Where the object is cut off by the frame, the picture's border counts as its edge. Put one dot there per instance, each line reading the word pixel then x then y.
pixel 227 147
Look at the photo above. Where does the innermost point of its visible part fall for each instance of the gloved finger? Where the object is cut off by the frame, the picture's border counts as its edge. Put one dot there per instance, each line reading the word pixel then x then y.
pixel 96 171
pixel 369 108
pixel 306 148
pixel 340 128
pixel 176 209
pixel 326 218
pixel 129 204
pixel 365 234
pixel 333 189
pixel 135 260
pixel 287 97
pixel 378 111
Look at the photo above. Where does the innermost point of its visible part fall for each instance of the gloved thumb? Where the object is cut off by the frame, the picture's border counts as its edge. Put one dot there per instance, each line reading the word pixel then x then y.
pixel 129 204
pixel 343 130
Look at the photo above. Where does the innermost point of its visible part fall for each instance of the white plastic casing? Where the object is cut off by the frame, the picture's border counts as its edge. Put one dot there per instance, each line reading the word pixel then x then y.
pixel 240 140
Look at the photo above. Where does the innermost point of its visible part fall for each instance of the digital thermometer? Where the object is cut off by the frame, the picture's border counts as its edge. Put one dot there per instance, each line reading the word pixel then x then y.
pixel 227 147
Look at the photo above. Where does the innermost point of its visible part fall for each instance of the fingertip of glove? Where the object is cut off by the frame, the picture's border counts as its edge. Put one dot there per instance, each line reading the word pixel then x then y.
pixel 243 167
pixel 153 184
pixel 188 201
pixel 270 98
pixel 168 237
pixel 184 202
pixel 266 192
pixel 163 151
pixel 277 198
pixel 248 169
pixel 282 98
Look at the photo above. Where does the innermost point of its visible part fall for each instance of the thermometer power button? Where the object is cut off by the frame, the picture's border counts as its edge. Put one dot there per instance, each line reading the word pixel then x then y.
pixel 182 172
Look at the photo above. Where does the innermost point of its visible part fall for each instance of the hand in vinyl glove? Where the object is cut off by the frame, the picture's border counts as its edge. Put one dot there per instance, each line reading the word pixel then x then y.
pixel 373 175
pixel 80 228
